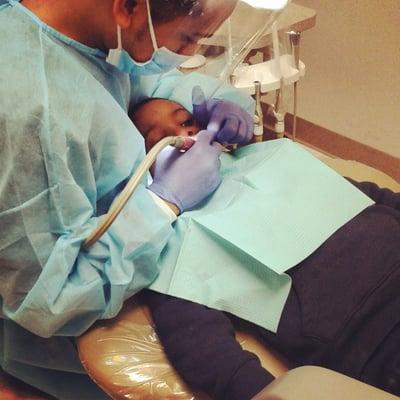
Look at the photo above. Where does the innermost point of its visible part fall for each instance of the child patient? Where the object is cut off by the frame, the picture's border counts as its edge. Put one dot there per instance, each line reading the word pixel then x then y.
pixel 343 310
pixel 158 118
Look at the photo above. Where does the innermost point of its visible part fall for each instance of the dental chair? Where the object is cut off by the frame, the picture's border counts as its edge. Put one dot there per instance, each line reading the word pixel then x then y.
pixel 125 358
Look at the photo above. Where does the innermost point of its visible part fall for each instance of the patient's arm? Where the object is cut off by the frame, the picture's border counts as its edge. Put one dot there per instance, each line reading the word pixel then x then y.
pixel 379 195
pixel 201 345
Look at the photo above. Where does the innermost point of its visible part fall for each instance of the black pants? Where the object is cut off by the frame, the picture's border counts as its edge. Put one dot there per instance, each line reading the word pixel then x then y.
pixel 343 313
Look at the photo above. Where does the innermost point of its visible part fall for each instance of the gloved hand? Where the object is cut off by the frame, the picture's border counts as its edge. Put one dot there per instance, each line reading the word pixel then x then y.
pixel 226 120
pixel 185 179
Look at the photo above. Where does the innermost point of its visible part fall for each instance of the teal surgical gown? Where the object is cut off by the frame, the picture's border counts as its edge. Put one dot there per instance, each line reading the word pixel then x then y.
pixel 66 147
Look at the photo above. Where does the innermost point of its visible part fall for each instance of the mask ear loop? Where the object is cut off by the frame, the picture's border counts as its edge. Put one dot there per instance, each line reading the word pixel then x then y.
pixel 151 27
pixel 114 55
pixel 119 37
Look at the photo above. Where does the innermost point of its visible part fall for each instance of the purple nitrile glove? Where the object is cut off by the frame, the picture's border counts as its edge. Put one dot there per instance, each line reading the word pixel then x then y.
pixel 226 120
pixel 185 179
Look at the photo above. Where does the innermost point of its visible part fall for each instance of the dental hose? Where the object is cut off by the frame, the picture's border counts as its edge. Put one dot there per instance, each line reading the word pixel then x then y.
pixel 181 142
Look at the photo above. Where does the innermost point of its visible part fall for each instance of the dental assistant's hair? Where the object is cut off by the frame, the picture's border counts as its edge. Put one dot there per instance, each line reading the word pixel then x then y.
pixel 167 10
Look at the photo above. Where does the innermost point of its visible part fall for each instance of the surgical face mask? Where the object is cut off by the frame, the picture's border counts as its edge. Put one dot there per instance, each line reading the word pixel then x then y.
pixel 162 60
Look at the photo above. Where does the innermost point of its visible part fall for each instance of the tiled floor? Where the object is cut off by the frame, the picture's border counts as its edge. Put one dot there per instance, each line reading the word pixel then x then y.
pixel 12 389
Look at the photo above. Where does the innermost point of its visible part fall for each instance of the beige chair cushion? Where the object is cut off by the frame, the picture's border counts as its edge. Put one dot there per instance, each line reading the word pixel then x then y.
pixel 360 172
pixel 125 358
pixel 316 383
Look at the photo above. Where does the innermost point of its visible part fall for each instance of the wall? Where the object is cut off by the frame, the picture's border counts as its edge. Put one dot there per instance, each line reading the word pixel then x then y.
pixel 352 85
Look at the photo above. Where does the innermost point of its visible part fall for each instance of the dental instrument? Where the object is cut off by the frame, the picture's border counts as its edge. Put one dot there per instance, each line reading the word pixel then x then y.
pixel 259 115
pixel 295 43
pixel 279 116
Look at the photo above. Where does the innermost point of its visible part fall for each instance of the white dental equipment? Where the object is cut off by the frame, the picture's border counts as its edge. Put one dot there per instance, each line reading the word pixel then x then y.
pixel 273 75
pixel 277 74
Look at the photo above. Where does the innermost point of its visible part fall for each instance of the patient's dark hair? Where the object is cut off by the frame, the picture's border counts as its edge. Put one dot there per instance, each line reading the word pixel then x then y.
pixel 167 10
pixel 133 109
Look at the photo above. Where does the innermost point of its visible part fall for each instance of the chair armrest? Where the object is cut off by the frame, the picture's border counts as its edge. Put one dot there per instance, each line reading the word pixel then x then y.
pixel 360 172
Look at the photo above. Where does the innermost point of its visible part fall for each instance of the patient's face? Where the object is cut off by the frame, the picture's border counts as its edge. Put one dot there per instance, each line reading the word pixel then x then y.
pixel 160 118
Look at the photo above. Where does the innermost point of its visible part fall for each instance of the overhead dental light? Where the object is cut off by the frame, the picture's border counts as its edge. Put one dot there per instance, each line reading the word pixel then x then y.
pixel 267 4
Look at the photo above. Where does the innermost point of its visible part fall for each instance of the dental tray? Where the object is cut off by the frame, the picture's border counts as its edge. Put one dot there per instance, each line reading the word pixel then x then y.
pixel 268 74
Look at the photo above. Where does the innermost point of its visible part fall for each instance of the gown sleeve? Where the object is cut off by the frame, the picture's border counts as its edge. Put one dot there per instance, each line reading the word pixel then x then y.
pixel 65 147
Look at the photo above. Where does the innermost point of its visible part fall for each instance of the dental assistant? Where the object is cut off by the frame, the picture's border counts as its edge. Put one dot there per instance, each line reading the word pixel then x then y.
pixel 68 73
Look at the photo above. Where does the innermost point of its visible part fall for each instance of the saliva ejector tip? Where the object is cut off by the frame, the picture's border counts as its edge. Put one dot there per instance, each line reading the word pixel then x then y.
pixel 184 143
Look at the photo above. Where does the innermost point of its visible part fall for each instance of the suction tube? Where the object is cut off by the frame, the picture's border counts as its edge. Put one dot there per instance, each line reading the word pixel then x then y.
pixel 180 142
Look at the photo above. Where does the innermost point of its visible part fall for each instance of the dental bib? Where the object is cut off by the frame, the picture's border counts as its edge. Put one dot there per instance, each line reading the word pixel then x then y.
pixel 276 205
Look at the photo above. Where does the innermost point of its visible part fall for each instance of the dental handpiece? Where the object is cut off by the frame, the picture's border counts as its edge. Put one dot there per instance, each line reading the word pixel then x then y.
pixel 295 43
pixel 259 115
pixel 183 143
